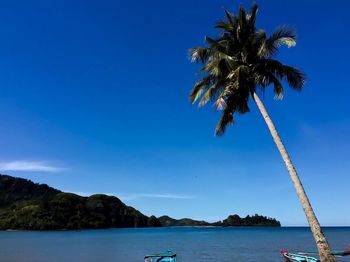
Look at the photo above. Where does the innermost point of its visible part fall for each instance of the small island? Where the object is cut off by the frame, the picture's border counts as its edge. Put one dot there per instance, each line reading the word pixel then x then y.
pixel 25 205
pixel 232 220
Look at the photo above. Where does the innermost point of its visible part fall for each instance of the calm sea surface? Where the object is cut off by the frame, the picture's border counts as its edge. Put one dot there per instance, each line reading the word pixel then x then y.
pixel 191 244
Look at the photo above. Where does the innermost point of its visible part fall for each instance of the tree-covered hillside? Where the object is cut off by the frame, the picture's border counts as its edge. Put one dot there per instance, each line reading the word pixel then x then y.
pixel 232 220
pixel 26 205
pixel 167 221
pixel 255 220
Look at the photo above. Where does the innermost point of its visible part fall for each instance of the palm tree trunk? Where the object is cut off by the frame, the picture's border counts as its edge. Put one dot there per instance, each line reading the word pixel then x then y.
pixel 321 242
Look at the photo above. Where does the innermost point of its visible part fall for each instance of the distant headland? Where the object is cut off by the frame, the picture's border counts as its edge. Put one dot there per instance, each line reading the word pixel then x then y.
pixel 25 205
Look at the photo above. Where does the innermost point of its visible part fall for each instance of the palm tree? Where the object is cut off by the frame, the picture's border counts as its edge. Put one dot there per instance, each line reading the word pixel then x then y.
pixel 238 62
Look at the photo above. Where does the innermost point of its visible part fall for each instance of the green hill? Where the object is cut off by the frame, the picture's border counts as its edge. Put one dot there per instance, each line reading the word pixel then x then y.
pixel 25 205
pixel 30 206
pixel 167 221
pixel 232 220
pixel 255 220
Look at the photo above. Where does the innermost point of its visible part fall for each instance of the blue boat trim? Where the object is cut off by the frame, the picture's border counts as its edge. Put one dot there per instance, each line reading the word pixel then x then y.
pixel 294 257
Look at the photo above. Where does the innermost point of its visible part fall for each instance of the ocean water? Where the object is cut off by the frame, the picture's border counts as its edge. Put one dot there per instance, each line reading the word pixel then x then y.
pixel 190 244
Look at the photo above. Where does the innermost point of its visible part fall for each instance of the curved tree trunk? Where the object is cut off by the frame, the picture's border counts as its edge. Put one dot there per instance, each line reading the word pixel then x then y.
pixel 321 242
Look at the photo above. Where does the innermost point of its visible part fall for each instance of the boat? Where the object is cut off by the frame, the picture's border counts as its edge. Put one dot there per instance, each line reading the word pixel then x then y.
pixel 334 253
pixel 295 257
pixel 304 256
pixel 168 256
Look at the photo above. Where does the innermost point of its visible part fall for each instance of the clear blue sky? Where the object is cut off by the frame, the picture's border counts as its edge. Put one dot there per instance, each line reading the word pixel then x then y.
pixel 93 99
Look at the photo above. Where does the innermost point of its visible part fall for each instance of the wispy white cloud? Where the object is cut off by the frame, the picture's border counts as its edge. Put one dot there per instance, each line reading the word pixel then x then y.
pixel 133 196
pixel 29 166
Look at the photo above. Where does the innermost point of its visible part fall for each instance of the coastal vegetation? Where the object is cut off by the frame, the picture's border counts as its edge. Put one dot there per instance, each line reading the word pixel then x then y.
pixel 232 220
pixel 25 205
pixel 239 62
pixel 30 206
pixel 172 222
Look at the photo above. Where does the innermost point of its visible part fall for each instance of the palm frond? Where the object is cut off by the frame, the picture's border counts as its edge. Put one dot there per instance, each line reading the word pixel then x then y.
pixel 231 18
pixel 210 94
pixel 242 106
pixel 226 119
pixel 199 54
pixel 282 36
pixel 278 89
pixel 295 78
pixel 229 25
pixel 269 71
pixel 237 101
pixel 224 26
pixel 215 44
pixel 242 18
pixel 200 86
pixel 272 66
pixel 252 16
pixel 220 104
pixel 213 67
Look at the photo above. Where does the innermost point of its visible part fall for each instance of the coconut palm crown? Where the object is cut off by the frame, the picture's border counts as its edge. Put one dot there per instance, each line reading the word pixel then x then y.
pixel 240 60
